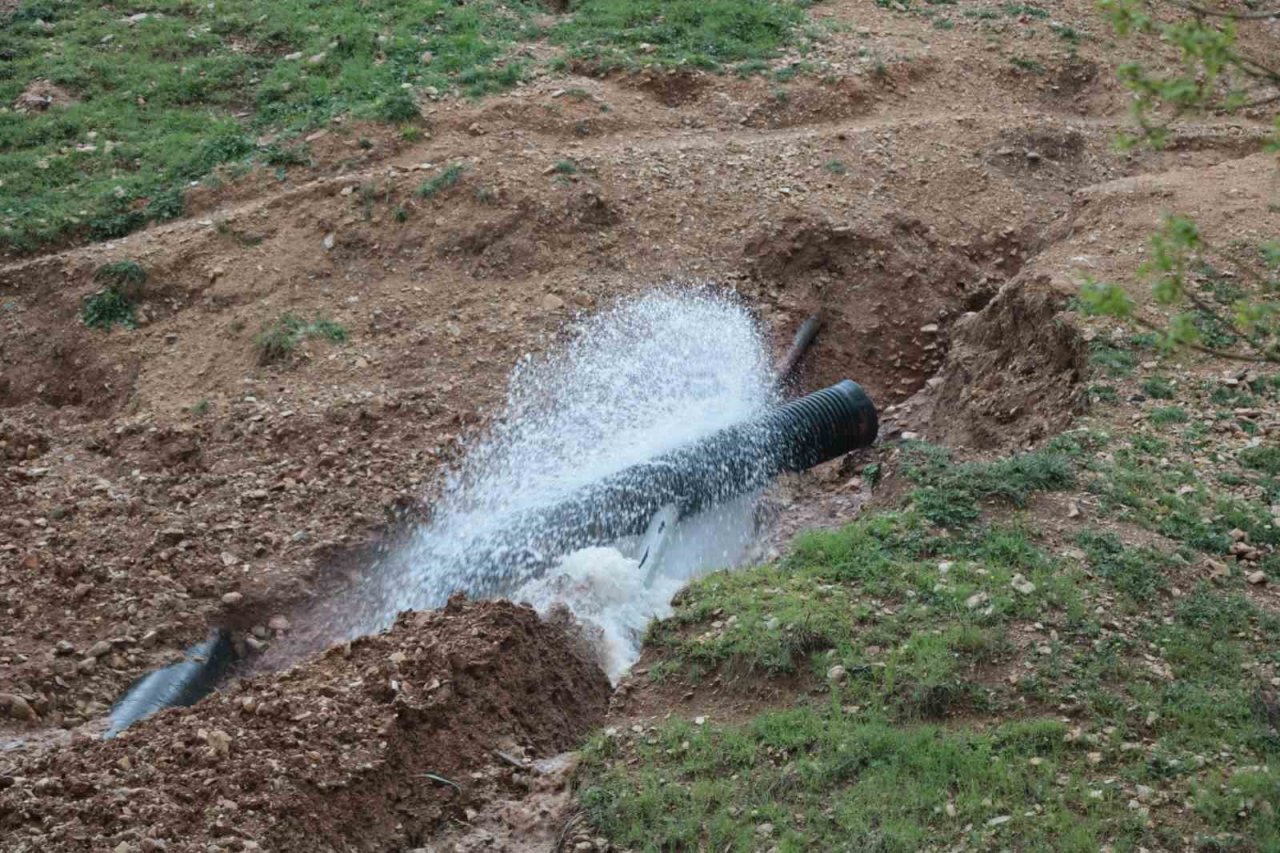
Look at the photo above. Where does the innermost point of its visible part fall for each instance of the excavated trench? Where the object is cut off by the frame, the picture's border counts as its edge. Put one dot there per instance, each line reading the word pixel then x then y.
pixel 378 735
pixel 994 360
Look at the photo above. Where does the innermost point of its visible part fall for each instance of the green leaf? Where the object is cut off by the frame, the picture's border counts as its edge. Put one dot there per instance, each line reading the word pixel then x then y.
pixel 1104 298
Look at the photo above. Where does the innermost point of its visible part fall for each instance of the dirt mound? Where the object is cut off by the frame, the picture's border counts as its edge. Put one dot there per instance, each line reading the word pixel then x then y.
pixel 371 746
pixel 886 287
pixel 1012 374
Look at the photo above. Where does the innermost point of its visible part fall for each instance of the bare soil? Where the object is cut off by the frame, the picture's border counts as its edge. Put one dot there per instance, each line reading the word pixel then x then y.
pixel 158 481
pixel 373 745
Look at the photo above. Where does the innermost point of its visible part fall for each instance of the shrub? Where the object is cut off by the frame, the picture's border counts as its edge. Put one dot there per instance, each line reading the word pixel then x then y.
pixel 116 302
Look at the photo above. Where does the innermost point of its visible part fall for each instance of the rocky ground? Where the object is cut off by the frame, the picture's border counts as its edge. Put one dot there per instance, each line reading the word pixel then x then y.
pixel 937 193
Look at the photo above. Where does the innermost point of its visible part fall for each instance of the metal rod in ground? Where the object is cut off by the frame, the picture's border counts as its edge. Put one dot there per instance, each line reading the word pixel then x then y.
pixel 799 346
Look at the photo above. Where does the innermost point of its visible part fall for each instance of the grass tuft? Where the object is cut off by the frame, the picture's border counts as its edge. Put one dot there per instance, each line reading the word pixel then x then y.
pixel 447 178
pixel 950 495
pixel 278 340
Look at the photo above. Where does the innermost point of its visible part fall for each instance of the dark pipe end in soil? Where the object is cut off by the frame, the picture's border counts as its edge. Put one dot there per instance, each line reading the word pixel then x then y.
pixel 176 685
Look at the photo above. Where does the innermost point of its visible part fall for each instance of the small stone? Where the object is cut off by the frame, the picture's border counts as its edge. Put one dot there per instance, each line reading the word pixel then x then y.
pixel 1257 578
pixel 16 707
pixel 1000 821
pixel 228 559
pixel 1238 535
pixel 426 57
pixel 293 57
pixel 1073 509
pixel 1217 570
pixel 1144 793
pixel 231 599
pixel 837 674
pixel 764 830
pixel 1022 585
pixel 976 600
pixel 329 240
pixel 278 623
pixel 87 665
pixel 219 742
pixel 1094 757
pixel 98 649
pixel 317 59
pixel 551 302
pixel 62 647
pixel 699 721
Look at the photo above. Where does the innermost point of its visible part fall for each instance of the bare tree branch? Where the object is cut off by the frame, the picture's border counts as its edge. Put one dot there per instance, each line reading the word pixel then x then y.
pixel 1217 353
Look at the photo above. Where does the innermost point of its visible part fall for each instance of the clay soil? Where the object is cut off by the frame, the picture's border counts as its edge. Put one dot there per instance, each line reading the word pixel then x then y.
pixel 933 201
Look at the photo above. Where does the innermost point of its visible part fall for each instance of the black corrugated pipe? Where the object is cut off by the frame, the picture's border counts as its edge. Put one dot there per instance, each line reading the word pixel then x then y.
pixel 794 437
pixel 176 685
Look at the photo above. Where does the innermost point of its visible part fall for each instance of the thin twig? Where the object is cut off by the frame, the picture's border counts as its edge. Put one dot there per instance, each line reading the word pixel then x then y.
pixel 1232 356
pixel 1261 70
pixel 435 777
pixel 1261 102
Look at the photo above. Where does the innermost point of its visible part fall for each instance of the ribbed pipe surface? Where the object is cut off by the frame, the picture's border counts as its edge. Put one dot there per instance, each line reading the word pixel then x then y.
pixel 736 460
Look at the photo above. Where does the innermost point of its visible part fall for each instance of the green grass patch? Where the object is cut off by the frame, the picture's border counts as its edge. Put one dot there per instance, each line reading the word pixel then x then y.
pixel 278 340
pixel 1023 63
pixel 1170 415
pixel 1264 459
pixel 1139 573
pixel 1017 10
pixel 1142 485
pixel 437 184
pixel 1066 32
pixel 109 307
pixel 1158 388
pixel 1112 360
pixel 951 495
pixel 159 101
pixel 704 34
pixel 116 303
pixel 824 779
pixel 814 609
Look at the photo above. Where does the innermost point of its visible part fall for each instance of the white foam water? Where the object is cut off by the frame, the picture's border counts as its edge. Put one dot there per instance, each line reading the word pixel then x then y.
pixel 646 376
